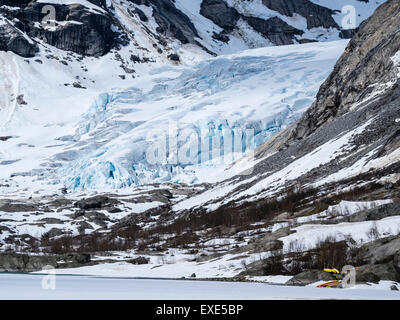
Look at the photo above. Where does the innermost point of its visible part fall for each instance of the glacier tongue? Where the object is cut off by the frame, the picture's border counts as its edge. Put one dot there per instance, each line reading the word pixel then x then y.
pixel 179 117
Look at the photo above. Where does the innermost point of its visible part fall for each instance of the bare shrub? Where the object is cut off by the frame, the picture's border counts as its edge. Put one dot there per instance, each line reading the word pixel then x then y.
pixel 273 265
pixel 296 246
pixel 356 256
pixel 373 233
pixel 330 253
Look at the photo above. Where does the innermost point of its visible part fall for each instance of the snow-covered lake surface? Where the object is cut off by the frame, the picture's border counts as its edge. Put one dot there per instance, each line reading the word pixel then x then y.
pixel 29 286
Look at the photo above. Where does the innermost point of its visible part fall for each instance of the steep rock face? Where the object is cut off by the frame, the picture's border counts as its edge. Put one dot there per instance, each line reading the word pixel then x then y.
pixel 316 15
pixel 12 39
pixel 171 22
pixel 274 29
pixel 220 13
pixel 366 63
pixel 77 29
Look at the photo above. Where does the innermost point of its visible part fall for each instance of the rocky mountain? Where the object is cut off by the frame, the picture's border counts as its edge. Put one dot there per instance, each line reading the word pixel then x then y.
pixel 321 189
pixel 94 27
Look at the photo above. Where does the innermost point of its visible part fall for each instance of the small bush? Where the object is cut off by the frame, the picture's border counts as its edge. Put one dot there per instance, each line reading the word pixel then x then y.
pixel 273 265
pixel 373 233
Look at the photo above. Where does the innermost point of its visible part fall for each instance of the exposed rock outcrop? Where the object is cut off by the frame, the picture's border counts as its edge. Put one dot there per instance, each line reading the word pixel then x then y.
pixel 364 85
pixel 317 16
pixel 77 29
pixel 274 29
pixel 96 202
pixel 12 39
pixel 382 250
pixel 376 273
pixel 309 277
pixel 83 30
pixel 13 262
pixel 220 13
pixel 171 22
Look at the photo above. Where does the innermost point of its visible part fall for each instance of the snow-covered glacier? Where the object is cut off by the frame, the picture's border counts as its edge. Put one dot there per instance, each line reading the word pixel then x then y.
pixel 184 122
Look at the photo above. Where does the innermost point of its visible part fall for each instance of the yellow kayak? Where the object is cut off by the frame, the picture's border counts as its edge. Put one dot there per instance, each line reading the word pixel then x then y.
pixel 336 271
pixel 333 283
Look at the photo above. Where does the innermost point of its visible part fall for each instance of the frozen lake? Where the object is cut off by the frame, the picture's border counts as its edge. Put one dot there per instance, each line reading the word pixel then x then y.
pixel 29 286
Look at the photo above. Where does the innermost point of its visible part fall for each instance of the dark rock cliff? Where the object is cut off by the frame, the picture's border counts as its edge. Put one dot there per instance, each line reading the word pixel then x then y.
pixel 274 29
pixel 12 39
pixel 171 21
pixel 316 15
pixel 76 29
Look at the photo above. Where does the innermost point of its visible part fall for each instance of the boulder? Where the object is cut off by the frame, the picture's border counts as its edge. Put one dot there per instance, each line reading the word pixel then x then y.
pixel 83 225
pixel 377 272
pixel 53 232
pixel 396 262
pixel 97 202
pixel 266 267
pixel 78 257
pixel 174 57
pixel 139 260
pixel 309 277
pixel 381 250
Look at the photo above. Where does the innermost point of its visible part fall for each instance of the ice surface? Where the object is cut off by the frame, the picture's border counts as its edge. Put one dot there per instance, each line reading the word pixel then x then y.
pixel 19 286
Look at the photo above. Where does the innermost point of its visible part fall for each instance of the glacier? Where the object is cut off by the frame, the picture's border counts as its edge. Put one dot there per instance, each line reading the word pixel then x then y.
pixel 169 123
pixel 258 92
